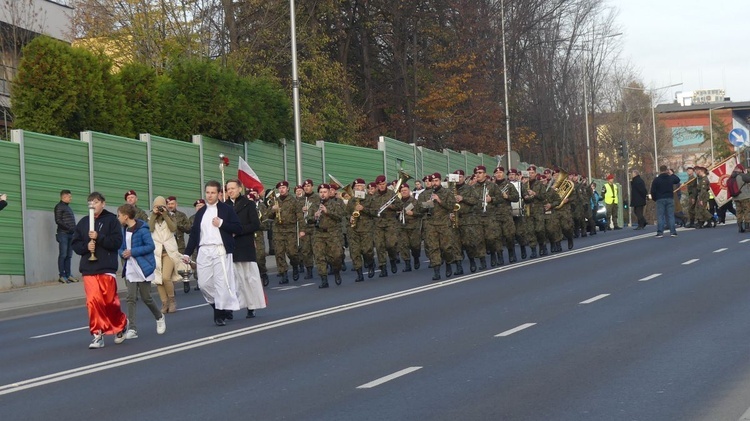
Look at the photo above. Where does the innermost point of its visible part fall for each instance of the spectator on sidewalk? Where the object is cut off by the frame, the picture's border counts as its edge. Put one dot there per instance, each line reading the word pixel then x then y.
pixel 638 195
pixel 610 192
pixel 66 226
pixel 99 283
pixel 662 193
pixel 137 250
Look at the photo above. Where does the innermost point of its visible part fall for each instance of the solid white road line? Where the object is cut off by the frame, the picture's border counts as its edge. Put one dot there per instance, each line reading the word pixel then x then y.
pixel 597 298
pixel 388 378
pixel 59 333
pixel 720 250
pixel 191 307
pixel 745 240
pixel 650 277
pixel 514 330
pixel 745 416
pixel 690 262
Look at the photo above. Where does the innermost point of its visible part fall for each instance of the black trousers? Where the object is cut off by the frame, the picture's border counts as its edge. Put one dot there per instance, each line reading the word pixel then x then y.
pixel 639 215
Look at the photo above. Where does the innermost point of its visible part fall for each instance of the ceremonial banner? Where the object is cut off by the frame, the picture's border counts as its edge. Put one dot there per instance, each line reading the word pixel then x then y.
pixel 248 177
pixel 718 178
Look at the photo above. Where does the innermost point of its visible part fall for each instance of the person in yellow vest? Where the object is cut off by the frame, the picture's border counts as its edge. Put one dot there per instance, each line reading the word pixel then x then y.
pixel 611 192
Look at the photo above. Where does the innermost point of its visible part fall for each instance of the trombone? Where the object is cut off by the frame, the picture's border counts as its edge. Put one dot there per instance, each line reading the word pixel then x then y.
pixel 403 177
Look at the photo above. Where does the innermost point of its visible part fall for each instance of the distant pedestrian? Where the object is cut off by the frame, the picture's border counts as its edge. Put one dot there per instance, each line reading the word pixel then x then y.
pixel 66 226
pixel 3 201
pixel 213 236
pixel 638 195
pixel 662 193
pixel 99 282
pixel 137 250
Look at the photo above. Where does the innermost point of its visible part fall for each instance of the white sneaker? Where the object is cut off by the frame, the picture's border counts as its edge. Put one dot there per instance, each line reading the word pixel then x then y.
pixel 120 337
pixel 98 341
pixel 131 334
pixel 161 325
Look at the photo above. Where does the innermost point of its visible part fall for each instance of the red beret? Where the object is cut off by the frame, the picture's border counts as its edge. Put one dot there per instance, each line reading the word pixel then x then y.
pixel 531 168
pixel 199 201
pixel 436 176
pixel 380 179
pixel 547 171
pixel 739 167
pixel 324 186
pixel 459 172
pixel 128 193
pixel 501 169
pixel 480 168
pixel 171 198
pixel 372 184
pixel 360 181
pixel 307 182
pixel 405 186
pixel 282 183
pixel 513 171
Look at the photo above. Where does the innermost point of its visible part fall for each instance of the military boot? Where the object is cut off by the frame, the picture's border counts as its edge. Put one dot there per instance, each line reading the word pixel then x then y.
pixel 416 260
pixel 284 278
pixel 570 243
pixel 383 272
pixel 343 265
pixel 360 276
pixel 512 255
pixel 308 273
pixel 459 268
pixel 542 250
pixel 523 252
pixel 407 265
pixel 394 268
pixel 436 276
pixel 493 259
pixel 533 252
pixel 472 265
pixel 448 270
pixel 482 263
pixel 330 269
pixel 337 278
pixel 371 270
pixel 323 281
pixel 295 272
pixel 500 260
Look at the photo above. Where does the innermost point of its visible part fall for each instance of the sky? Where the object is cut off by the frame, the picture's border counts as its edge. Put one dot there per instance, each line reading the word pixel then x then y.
pixel 702 44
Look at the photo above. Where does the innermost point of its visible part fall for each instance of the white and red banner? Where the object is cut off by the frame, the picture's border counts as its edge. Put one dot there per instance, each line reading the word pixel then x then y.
pixel 718 178
pixel 248 177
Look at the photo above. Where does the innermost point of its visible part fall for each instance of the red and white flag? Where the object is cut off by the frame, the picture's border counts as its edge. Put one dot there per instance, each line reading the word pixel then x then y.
pixel 718 178
pixel 248 177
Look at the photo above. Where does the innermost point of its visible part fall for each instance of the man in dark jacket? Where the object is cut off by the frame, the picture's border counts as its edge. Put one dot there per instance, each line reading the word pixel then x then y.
pixel 66 225
pixel 212 235
pixel 246 271
pixel 638 195
pixel 662 193
pixel 101 238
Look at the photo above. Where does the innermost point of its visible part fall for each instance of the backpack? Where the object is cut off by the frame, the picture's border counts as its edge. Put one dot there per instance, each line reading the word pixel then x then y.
pixel 733 189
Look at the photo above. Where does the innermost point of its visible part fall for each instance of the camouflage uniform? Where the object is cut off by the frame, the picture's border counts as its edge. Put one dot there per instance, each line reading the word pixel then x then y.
pixel 692 190
pixel 183 227
pixel 535 221
pixel 551 222
pixel 438 235
pixel 410 233
pixel 504 218
pixel 142 215
pixel 522 235
pixel 469 228
pixel 327 241
pixel 360 236
pixel 386 230
pixel 583 209
pixel 306 256
pixel 426 214
pixel 285 234
pixel 260 242
pixel 488 221
pixel 701 204
pixel 565 217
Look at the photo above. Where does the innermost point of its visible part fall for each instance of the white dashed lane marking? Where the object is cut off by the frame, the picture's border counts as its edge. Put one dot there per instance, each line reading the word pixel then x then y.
pixel 597 298
pixel 690 262
pixel 514 330
pixel 388 378
pixel 720 250
pixel 650 277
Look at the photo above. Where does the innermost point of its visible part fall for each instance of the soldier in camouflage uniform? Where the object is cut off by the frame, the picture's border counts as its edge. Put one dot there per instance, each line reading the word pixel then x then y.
pixel 438 235
pixel 386 226
pixel 517 210
pixel 504 217
pixel 702 216
pixel 183 227
pixel 564 215
pixel 325 219
pixel 583 208
pixel 535 200
pixel 423 210
pixel 410 229
pixel 552 228
pixel 692 190
pixel 287 216
pixel 132 198
pixel 337 196
pixel 260 243
pixel 489 195
pixel 307 201
pixel 468 223
pixel 361 230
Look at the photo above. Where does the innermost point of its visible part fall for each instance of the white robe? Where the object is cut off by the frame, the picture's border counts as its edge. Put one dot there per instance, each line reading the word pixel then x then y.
pixel 249 286
pixel 216 277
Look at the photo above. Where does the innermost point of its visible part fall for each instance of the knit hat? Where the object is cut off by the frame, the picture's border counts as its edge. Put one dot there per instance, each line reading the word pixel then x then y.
pixel 160 201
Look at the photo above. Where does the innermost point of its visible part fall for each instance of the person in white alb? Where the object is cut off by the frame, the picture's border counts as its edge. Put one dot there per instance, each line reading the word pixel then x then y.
pixel 212 234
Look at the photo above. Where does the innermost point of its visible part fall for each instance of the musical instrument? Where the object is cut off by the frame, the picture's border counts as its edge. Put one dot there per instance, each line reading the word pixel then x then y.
pixel 358 196
pixel 563 186
pixel 452 180
pixel 272 199
pixel 403 177
pixel 516 208
pixel 484 197
pixel 347 188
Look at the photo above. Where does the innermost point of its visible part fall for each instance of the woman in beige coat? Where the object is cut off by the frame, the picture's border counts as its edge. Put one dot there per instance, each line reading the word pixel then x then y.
pixel 168 257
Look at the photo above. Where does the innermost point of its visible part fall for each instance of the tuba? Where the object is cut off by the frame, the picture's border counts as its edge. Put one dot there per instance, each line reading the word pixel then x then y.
pixel 563 186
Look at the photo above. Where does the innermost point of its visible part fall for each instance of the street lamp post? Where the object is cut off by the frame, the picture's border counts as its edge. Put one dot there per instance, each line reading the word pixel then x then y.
pixel 505 80
pixel 711 128
pixel 295 95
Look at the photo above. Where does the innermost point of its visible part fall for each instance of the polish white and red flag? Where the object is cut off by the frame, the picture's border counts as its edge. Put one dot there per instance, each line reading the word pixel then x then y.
pixel 248 177
pixel 718 177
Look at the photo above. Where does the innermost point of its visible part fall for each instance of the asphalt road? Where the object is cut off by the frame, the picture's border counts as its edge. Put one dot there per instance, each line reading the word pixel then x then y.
pixel 624 327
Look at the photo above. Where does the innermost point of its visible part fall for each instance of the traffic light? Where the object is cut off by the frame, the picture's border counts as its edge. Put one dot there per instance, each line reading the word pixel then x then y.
pixel 621 149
